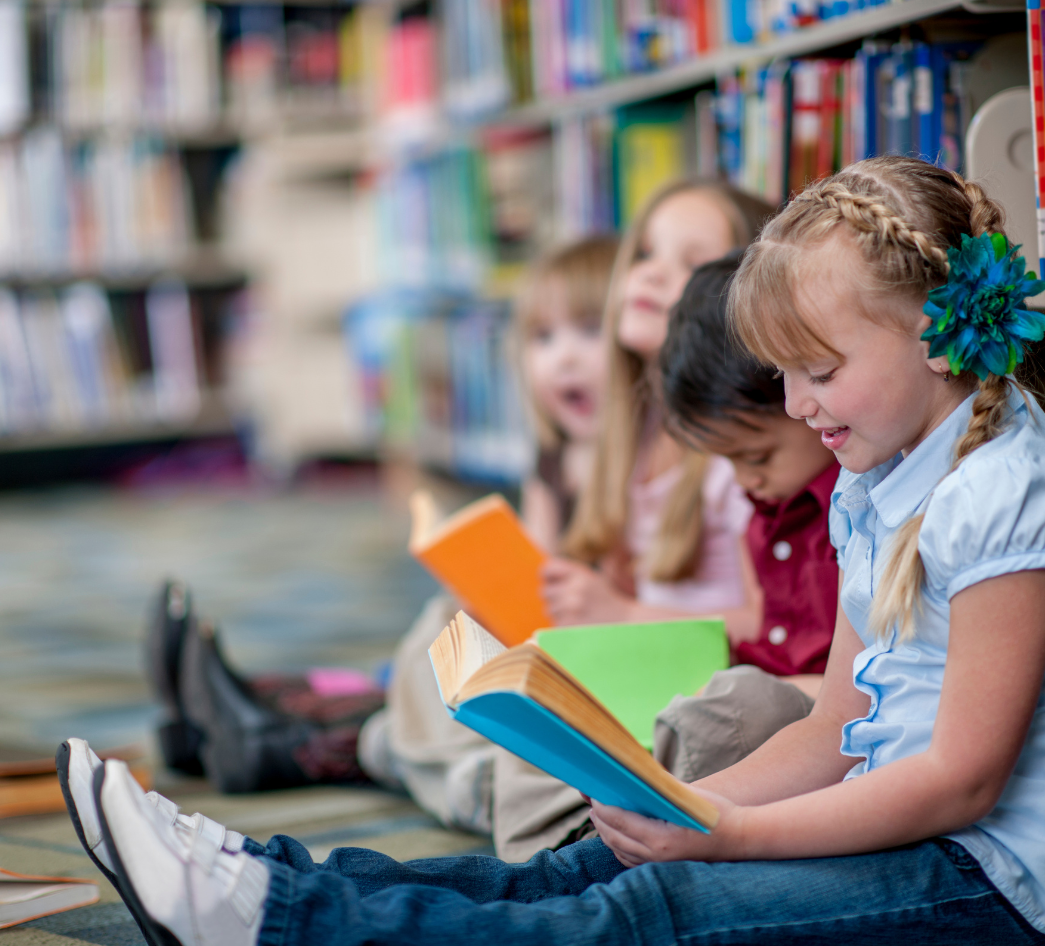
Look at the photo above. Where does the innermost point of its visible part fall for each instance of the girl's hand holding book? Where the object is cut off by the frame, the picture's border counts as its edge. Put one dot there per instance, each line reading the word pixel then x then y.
pixel 577 594
pixel 636 839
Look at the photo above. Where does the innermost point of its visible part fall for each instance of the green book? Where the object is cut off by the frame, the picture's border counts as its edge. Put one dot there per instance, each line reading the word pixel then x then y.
pixel 636 669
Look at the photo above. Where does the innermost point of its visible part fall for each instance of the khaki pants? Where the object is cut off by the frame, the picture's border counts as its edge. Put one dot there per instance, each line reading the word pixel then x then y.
pixel 694 736
pixel 413 744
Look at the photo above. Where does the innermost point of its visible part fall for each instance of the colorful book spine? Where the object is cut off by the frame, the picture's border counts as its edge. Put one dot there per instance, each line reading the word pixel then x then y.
pixel 923 102
pixel 1037 80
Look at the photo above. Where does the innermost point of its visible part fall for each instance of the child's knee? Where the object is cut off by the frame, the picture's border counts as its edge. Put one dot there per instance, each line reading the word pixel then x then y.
pixel 738 710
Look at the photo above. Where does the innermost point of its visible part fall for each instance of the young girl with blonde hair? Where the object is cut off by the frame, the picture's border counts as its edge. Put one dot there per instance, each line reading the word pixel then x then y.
pixel 660 524
pixel 412 744
pixel 910 804
pixel 558 323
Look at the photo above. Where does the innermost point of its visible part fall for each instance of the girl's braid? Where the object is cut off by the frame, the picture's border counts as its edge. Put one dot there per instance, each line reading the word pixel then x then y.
pixel 868 214
pixel 989 413
pixel 985 215
pixel 899 597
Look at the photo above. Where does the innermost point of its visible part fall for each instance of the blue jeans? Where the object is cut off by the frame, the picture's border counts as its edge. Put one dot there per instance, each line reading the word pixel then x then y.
pixel 928 893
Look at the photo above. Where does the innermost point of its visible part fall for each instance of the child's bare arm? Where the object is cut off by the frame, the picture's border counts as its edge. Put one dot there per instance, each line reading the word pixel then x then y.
pixel 540 513
pixel 993 678
pixel 804 756
pixel 808 683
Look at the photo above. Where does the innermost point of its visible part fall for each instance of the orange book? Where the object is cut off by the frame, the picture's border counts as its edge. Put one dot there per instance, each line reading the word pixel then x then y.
pixel 483 555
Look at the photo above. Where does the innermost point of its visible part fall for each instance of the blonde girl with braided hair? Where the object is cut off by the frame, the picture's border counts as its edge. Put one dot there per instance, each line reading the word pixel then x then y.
pixel 909 805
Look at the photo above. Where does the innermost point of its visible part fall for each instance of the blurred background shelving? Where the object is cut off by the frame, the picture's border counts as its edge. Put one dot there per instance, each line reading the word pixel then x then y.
pixel 302 222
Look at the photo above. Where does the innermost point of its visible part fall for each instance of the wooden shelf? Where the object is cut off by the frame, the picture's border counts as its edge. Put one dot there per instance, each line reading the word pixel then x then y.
pixel 202 269
pixel 801 42
pixel 213 420
pixel 370 146
pixel 295 108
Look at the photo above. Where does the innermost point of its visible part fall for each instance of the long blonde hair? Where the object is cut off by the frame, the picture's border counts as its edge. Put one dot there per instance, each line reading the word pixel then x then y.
pixel 583 270
pixel 901 214
pixel 598 525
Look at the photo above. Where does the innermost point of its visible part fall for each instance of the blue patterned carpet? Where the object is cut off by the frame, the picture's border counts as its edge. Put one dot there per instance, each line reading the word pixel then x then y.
pixel 296 579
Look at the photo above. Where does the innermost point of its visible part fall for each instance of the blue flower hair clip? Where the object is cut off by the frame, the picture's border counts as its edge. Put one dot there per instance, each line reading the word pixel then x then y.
pixel 978 318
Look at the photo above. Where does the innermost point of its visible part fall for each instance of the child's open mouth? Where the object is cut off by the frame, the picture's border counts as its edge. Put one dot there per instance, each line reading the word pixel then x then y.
pixel 578 399
pixel 834 437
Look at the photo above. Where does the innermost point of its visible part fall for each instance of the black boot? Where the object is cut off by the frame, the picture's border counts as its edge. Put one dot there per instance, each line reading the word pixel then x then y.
pixel 247 747
pixel 179 739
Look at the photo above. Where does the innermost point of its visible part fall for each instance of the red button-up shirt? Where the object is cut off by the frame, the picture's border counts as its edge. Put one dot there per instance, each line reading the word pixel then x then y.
pixel 798 571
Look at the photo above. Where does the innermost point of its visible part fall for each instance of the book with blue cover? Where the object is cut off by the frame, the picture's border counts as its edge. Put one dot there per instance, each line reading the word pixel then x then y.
pixel 525 701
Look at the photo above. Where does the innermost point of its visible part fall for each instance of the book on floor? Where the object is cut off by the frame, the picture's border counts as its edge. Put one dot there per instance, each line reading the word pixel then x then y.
pixel 483 555
pixel 29 781
pixel 523 699
pixel 25 897
pixel 634 670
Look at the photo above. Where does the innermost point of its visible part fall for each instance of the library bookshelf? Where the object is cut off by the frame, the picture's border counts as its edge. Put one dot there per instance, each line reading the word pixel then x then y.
pixel 372 180
pixel 710 113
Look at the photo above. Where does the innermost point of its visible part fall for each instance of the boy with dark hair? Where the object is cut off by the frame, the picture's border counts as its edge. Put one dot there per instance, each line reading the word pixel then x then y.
pixel 721 400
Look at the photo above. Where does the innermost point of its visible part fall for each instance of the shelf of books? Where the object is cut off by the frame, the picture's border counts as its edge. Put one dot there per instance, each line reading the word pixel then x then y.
pixel 121 124
pixel 482 131
pixel 585 109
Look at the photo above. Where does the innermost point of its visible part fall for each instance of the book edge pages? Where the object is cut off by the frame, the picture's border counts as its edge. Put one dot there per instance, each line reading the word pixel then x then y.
pixel 452 647
pixel 46 766
pixel 424 517
pixel 42 878
pixel 443 656
pixel 8 924
pixel 420 543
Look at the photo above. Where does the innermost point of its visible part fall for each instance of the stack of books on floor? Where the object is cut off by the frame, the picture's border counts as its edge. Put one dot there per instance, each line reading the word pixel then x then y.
pixel 29 780
pixel 25 897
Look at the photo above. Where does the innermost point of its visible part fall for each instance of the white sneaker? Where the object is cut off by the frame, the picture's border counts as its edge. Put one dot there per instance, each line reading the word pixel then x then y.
pixel 180 884
pixel 76 763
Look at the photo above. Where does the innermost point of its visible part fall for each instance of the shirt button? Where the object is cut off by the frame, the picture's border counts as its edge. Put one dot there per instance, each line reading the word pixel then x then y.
pixel 777 635
pixel 782 551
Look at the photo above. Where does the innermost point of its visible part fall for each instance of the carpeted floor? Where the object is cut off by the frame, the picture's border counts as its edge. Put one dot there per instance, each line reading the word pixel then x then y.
pixel 314 577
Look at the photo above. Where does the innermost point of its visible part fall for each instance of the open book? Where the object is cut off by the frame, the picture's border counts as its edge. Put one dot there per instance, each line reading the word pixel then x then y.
pixel 25 897
pixel 524 700
pixel 483 555
pixel 634 670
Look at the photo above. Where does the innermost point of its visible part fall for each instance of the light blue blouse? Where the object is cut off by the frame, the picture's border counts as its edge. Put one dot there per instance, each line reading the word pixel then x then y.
pixel 985 519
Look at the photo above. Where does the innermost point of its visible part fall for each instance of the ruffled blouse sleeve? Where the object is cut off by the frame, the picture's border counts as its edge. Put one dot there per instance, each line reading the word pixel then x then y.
pixel 839 525
pixel 985 519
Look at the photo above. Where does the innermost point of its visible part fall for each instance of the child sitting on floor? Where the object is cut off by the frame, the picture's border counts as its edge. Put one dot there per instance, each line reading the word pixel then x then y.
pixel 909 806
pixel 656 533
pixel 272 732
pixel 724 402
pixel 413 744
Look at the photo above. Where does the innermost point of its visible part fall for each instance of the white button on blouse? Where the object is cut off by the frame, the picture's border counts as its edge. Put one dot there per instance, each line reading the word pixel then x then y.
pixel 777 635
pixel 781 551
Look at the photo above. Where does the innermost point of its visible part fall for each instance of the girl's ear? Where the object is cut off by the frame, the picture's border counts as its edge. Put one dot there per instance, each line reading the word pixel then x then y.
pixel 940 366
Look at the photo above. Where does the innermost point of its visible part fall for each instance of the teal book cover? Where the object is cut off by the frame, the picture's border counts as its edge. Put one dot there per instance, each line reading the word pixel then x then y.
pixel 538 707
pixel 522 726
